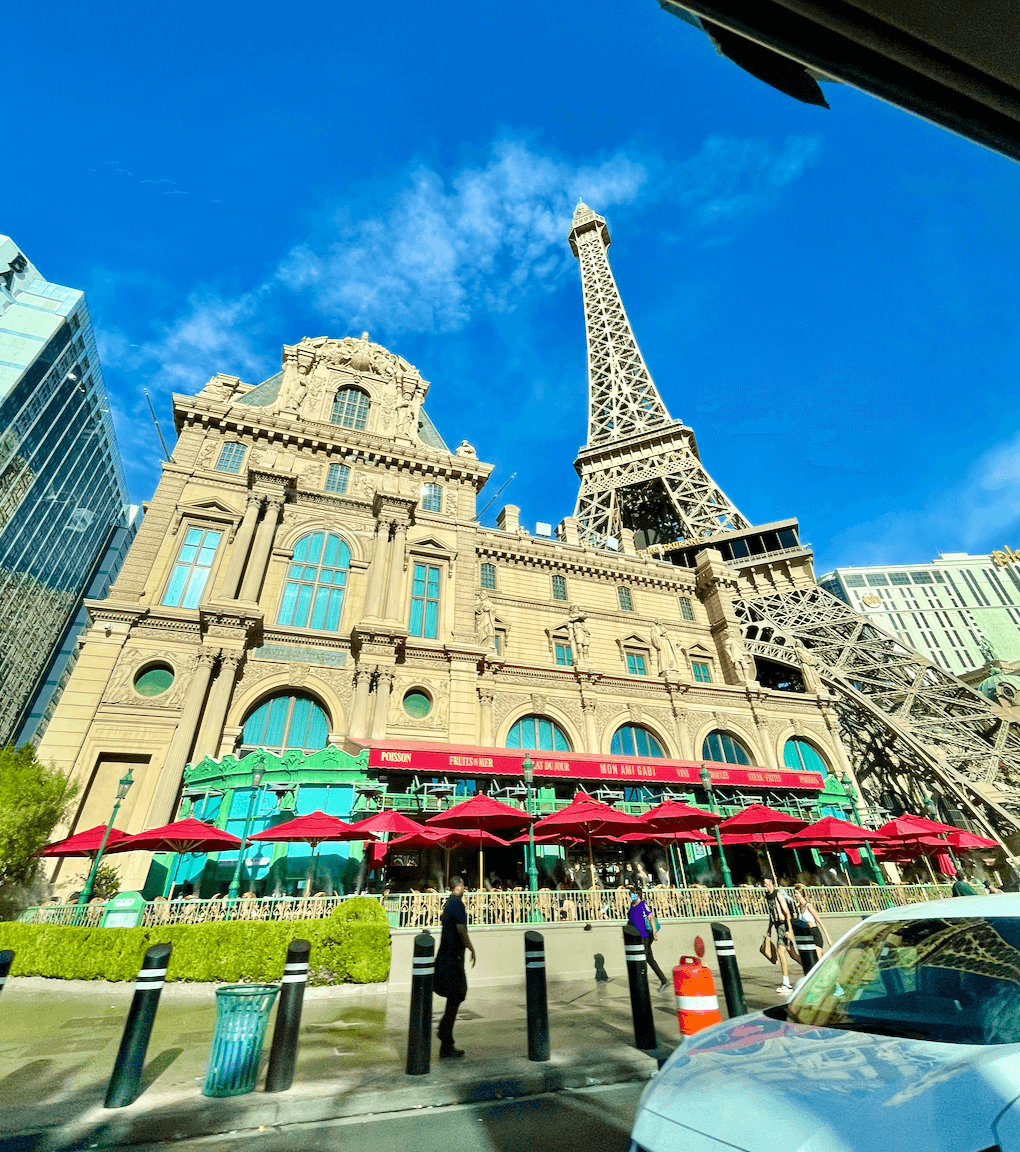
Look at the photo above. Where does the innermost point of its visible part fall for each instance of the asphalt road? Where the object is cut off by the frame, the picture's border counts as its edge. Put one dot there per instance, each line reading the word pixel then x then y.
pixel 581 1120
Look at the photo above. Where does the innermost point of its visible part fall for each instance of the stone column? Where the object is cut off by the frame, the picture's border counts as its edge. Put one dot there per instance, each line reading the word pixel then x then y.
pixel 208 742
pixel 381 705
pixel 590 734
pixel 377 572
pixel 255 572
pixel 395 577
pixel 161 807
pixel 358 725
pixel 240 549
pixel 485 694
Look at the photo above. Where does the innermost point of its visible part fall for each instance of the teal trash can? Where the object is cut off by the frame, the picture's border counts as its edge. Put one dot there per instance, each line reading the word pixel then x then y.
pixel 242 1012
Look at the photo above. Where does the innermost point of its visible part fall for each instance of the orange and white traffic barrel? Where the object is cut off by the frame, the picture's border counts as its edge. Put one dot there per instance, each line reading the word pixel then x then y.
pixel 696 1003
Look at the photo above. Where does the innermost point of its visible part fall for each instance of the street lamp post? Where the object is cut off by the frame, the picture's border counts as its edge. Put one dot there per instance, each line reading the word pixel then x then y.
pixel 851 791
pixel 529 779
pixel 123 785
pixel 706 780
pixel 235 884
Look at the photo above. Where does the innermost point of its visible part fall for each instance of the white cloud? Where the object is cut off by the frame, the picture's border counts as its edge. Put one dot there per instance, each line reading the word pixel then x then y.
pixel 447 248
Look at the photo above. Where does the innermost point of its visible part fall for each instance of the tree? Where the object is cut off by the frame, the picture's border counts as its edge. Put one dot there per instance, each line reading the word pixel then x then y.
pixel 33 800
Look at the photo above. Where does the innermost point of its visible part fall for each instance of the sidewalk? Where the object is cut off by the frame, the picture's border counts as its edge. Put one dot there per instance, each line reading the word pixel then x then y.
pixel 59 1040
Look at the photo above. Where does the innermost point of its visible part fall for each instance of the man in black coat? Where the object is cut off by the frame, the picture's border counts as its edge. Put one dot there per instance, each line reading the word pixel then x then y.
pixel 450 979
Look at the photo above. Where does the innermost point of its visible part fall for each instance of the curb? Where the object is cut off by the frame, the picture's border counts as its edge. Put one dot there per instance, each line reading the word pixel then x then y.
pixel 159 1119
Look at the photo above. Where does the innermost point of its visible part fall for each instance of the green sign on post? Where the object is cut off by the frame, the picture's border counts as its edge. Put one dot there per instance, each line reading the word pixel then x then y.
pixel 124 910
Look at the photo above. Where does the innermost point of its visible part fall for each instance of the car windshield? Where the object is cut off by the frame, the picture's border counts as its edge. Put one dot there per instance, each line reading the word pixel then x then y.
pixel 951 980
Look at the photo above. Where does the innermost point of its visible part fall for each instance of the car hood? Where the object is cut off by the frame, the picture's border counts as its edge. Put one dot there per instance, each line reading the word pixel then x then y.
pixel 760 1084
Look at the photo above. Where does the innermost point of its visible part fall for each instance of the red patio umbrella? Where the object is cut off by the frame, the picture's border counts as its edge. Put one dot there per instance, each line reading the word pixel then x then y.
pixel 82 843
pixel 313 829
pixel 964 841
pixel 388 821
pixel 759 824
pixel 180 837
pixel 923 824
pixel 834 835
pixel 672 816
pixel 585 817
pixel 665 840
pixel 481 812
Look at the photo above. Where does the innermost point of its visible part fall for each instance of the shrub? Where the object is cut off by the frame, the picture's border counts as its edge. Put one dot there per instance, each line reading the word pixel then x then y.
pixel 363 939
pixel 231 951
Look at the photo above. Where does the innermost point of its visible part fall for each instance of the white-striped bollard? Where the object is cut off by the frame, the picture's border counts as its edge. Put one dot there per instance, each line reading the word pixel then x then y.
pixel 538 1006
pixel 283 1055
pixel 729 971
pixel 637 978
pixel 419 1024
pixel 126 1080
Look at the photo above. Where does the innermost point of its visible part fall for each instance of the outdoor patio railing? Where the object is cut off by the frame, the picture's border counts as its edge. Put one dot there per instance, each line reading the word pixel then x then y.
pixel 424 909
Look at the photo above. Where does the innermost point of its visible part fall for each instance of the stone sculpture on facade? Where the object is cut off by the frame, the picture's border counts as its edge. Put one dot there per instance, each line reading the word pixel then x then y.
pixel 665 653
pixel 738 658
pixel 580 637
pixel 485 622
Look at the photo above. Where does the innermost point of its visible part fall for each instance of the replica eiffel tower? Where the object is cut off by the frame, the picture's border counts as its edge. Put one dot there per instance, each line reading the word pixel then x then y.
pixel 913 730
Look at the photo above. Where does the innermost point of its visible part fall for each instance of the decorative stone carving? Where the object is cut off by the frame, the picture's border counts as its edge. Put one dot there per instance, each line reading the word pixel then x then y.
pixel 738 658
pixel 120 687
pixel 207 453
pixel 504 702
pixel 465 449
pixel 636 713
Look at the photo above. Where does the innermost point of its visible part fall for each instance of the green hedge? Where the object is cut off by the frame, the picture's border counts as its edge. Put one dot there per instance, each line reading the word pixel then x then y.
pixel 355 946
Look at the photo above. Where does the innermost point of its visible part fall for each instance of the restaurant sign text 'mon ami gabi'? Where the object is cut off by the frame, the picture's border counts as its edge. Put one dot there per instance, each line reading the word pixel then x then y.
pixel 465 760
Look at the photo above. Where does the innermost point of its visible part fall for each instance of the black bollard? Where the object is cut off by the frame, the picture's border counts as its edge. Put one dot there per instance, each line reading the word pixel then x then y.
pixel 6 960
pixel 283 1055
pixel 637 977
pixel 729 972
pixel 419 1024
pixel 125 1083
pixel 805 943
pixel 538 1007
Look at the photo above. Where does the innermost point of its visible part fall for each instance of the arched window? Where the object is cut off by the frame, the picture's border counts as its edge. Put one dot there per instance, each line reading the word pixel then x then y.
pixel 724 749
pixel 431 498
pixel 289 720
pixel 633 740
pixel 350 408
pixel 538 732
pixel 803 757
pixel 313 595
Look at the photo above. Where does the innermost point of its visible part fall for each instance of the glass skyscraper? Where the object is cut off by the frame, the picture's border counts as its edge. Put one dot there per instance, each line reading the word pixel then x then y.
pixel 62 491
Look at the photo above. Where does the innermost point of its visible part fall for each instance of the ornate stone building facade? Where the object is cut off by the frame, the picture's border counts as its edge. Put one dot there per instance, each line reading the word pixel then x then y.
pixel 311 572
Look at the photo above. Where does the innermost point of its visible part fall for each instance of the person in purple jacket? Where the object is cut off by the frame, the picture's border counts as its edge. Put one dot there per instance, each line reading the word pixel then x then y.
pixel 644 922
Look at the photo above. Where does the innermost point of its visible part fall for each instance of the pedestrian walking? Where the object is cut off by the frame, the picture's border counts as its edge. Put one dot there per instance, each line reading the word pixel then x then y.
pixel 807 920
pixel 644 921
pixel 961 887
pixel 450 978
pixel 780 909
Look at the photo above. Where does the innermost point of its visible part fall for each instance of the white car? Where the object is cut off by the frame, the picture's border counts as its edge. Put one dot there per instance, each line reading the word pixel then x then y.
pixel 904 1038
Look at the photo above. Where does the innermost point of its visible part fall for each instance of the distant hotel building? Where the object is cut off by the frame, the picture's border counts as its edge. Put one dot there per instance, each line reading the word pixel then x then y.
pixel 960 611
pixel 62 490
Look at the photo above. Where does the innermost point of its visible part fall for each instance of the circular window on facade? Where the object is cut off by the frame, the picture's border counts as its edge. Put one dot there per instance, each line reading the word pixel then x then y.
pixel 154 680
pixel 417 704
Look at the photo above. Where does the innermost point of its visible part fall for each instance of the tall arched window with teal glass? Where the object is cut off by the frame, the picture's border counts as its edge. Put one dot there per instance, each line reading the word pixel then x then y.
pixel 287 720
pixel 724 749
pixel 313 596
pixel 633 740
pixel 539 733
pixel 803 757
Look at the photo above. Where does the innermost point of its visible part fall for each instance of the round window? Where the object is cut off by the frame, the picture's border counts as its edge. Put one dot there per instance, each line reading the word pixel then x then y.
pixel 154 680
pixel 417 704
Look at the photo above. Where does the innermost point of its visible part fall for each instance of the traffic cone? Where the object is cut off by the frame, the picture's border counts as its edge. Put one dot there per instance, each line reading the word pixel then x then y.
pixel 696 1004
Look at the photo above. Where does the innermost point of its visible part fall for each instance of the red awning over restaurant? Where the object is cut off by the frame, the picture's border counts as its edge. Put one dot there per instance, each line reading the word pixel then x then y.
pixel 432 759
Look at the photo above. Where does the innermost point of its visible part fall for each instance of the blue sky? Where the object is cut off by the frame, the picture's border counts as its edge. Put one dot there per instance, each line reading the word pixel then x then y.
pixel 828 298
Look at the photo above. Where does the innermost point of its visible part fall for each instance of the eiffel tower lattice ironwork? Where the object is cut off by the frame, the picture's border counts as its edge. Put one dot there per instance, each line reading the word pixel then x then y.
pixel 904 720
pixel 640 468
